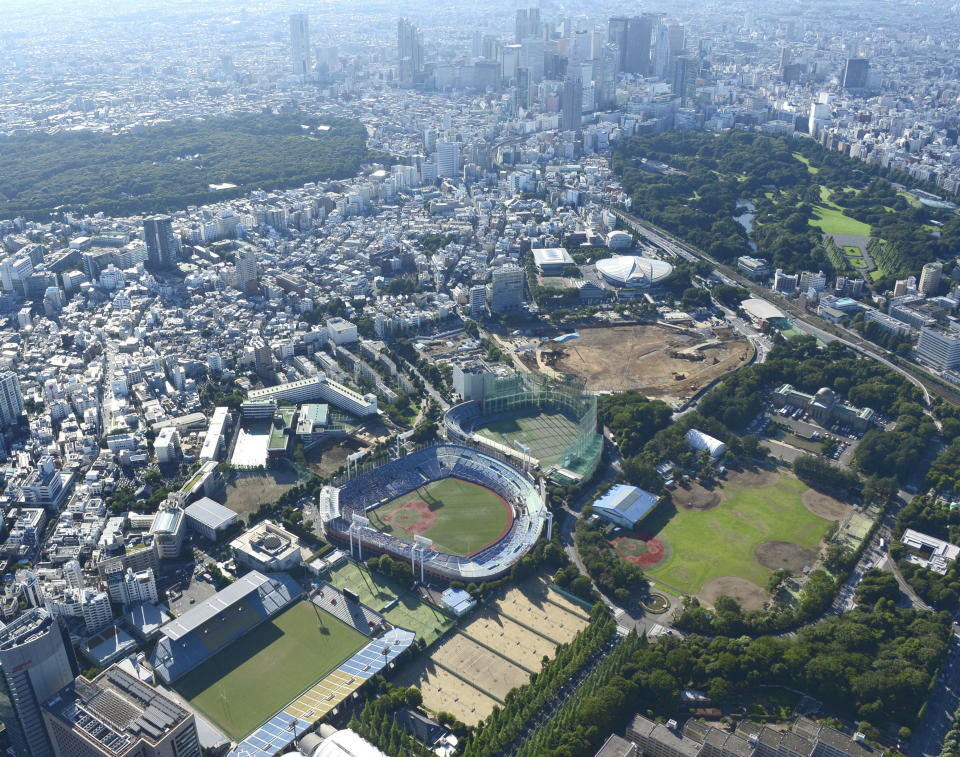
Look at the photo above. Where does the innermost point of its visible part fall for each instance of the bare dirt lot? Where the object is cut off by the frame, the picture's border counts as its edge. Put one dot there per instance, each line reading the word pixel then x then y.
pixel 248 490
pixel 782 554
pixel 648 358
pixel 825 506
pixel 748 594
pixel 327 458
pixel 694 497
pixel 754 478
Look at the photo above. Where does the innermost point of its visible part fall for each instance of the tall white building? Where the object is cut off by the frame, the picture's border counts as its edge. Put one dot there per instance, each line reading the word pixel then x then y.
pixel 940 347
pixel 133 587
pixel 930 278
pixel 506 288
pixel 246 264
pixel 97 613
pixel 448 159
pixel 11 398
pixel 478 301
pixel 300 44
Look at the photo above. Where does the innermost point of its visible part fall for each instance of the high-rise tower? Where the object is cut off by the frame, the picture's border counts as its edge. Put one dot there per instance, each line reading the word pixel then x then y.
pixel 300 44
pixel 161 246
pixel 36 661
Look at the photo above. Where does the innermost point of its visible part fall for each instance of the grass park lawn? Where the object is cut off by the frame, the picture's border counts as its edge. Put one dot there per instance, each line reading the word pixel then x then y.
pixel 260 673
pixel 812 169
pixel 709 544
pixel 468 516
pixel 831 220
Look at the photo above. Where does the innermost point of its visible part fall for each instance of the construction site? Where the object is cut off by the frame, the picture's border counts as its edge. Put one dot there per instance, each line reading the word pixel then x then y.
pixel 665 362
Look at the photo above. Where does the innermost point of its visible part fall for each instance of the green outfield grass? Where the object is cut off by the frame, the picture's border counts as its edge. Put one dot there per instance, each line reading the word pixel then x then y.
pixel 469 517
pixel 374 589
pixel 709 544
pixel 399 605
pixel 250 680
pixel 548 434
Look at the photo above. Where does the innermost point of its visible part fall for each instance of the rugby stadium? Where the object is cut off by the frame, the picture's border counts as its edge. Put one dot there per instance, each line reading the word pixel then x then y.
pixel 454 511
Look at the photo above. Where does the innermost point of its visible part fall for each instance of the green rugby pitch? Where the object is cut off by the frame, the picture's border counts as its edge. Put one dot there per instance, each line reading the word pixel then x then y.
pixel 250 680
pixel 468 517
pixel 719 542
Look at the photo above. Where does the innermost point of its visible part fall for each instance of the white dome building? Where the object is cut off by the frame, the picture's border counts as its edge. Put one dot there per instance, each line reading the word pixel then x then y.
pixel 633 271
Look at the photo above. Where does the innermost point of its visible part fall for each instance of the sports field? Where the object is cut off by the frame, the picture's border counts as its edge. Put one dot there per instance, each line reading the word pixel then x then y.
pixel 269 667
pixel 548 434
pixel 460 517
pixel 396 603
pixel 760 520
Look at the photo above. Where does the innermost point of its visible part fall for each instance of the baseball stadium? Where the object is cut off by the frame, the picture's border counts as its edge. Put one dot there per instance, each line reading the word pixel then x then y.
pixel 541 423
pixel 462 513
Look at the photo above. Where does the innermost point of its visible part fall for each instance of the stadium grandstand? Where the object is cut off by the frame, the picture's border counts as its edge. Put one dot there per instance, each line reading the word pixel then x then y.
pixel 378 483
pixel 232 612
pixel 568 448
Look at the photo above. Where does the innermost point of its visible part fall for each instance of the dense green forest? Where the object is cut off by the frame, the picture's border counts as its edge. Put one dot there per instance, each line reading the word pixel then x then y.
pixel 168 167
pixel 798 190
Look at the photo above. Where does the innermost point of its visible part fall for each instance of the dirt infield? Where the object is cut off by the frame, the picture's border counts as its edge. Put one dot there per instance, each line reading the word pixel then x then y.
pixel 824 505
pixel 694 497
pixel 642 550
pixel 748 594
pixel 782 554
pixel 647 358
pixel 414 517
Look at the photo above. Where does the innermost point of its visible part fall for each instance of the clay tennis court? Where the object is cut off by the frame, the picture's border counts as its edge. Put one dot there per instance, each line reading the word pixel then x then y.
pixel 474 668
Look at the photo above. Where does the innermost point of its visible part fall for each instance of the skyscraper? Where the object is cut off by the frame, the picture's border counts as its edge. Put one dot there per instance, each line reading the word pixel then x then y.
pixel 36 661
pixel 661 53
pixel 300 44
pixel 527 24
pixel 410 52
pixel 855 73
pixel 686 68
pixel 11 399
pixel 246 264
pixel 161 246
pixel 506 288
pixel 606 80
pixel 571 104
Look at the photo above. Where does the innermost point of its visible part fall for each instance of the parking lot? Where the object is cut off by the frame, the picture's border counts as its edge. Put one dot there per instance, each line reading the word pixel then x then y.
pixel 805 434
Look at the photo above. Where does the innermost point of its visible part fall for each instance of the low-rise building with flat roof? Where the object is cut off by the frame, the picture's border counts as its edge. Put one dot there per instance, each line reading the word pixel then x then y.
pixel 268 548
pixel 208 518
pixel 625 505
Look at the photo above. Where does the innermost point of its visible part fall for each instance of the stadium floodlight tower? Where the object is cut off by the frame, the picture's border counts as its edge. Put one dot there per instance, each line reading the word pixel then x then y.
pixel 357 525
pixel 422 545
pixel 355 459
pixel 525 459
pixel 402 440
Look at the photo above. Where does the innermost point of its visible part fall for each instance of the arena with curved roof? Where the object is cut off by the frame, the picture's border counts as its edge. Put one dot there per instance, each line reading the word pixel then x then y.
pixel 633 271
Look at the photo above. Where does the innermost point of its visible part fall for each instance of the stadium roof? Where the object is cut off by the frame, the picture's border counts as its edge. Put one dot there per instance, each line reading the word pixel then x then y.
pixel 276 592
pixel 551 256
pixel 627 503
pixel 210 513
pixel 633 270
pixel 761 309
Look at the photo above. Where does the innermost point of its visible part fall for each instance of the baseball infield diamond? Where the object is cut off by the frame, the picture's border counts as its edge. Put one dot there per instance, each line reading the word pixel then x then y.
pixel 460 517
pixel 639 549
